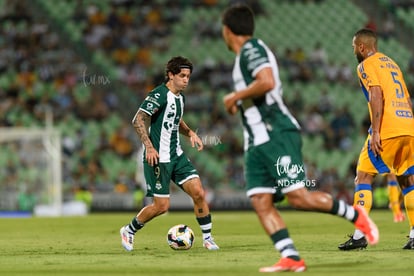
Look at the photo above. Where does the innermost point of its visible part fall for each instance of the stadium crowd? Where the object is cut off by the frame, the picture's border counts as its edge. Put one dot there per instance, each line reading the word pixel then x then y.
pixel 40 72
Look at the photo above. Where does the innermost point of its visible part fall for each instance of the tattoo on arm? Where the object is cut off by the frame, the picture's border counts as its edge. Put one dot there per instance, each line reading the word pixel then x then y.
pixel 142 122
pixel 200 210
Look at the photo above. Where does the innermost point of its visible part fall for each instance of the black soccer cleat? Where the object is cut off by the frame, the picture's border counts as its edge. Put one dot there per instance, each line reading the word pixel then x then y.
pixel 352 244
pixel 410 244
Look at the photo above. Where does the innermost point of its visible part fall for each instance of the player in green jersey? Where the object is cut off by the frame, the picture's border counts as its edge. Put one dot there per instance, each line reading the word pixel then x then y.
pixel 159 123
pixel 273 158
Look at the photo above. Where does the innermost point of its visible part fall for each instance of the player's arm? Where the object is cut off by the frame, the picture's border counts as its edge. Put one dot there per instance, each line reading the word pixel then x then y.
pixel 263 83
pixel 141 123
pixel 376 103
pixel 194 139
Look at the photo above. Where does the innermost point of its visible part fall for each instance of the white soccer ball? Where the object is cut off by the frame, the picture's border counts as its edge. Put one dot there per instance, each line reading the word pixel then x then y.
pixel 180 237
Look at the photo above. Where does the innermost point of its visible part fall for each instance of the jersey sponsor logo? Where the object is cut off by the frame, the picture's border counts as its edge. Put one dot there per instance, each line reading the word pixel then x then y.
pixel 168 125
pixel 255 63
pixel 254 57
pixel 404 113
pixel 400 104
pixel 252 53
pixel 150 107
pixel 152 100
pixel 170 115
pixel 170 118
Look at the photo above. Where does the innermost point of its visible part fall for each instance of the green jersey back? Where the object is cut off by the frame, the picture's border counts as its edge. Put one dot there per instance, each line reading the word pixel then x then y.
pixel 166 110
pixel 267 115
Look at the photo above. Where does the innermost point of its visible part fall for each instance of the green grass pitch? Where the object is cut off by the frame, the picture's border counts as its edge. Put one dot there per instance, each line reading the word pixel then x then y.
pixel 91 246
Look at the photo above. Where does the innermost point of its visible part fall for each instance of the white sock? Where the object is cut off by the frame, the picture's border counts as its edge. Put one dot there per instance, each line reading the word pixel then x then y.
pixel 412 233
pixel 358 234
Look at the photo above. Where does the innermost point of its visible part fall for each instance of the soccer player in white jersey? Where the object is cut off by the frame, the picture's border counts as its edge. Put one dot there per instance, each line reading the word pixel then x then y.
pixel 159 123
pixel 273 158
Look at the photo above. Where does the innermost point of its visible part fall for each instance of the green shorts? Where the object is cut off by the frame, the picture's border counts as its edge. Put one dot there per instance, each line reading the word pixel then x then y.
pixel 275 167
pixel 158 177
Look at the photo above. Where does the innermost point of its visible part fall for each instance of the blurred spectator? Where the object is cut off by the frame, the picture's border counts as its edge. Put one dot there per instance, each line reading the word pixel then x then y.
pixel 342 125
pixel 296 104
pixel 84 195
pixel 370 24
pixel 138 195
pixel 328 180
pixel 325 102
pixel 121 141
pixel 314 123
pixel 331 72
pixel 380 194
pixel 411 65
pixel 318 56
pixel 388 27
pixel 345 73
pixel 343 193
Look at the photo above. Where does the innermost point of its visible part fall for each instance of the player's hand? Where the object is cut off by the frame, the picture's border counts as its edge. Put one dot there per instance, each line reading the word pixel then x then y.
pixel 375 142
pixel 152 156
pixel 230 103
pixel 196 142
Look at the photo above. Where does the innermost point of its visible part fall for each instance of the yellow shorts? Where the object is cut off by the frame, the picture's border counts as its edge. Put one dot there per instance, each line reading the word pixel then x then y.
pixel 397 157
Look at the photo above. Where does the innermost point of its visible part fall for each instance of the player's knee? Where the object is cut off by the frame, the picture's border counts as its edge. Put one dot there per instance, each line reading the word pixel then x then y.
pixel 162 207
pixel 261 202
pixel 197 195
pixel 363 178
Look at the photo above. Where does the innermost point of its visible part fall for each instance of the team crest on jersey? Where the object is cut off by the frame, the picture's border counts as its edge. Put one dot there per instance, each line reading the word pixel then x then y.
pixel 168 125
pixel 150 107
pixel 158 186
pixel 170 114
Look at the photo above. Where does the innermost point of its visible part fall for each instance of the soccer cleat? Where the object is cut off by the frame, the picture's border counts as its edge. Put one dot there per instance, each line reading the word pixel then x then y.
pixel 285 264
pixel 410 244
pixel 399 217
pixel 127 239
pixel 210 244
pixel 366 225
pixel 352 244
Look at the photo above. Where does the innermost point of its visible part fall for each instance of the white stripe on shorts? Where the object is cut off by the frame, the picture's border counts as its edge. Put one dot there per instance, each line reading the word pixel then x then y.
pixel 191 176
pixel 260 190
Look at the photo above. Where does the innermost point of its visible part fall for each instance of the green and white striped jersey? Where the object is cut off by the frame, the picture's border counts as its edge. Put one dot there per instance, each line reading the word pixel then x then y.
pixel 266 114
pixel 166 110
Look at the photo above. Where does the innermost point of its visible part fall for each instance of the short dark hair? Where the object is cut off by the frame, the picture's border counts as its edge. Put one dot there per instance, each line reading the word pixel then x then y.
pixel 175 64
pixel 239 19
pixel 367 35
pixel 366 32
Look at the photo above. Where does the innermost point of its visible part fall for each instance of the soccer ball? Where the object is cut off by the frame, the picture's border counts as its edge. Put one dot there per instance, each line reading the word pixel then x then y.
pixel 180 237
